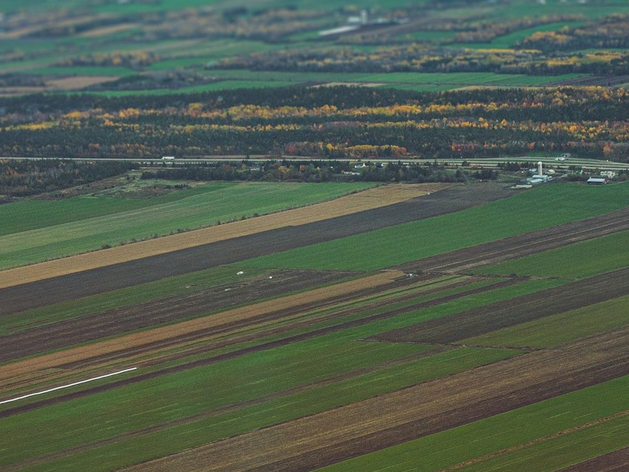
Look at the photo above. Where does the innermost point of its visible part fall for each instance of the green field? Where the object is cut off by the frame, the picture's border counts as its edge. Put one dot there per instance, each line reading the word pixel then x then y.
pixel 561 328
pixel 578 260
pixel 35 230
pixel 512 39
pixel 512 429
pixel 416 240
pixel 402 80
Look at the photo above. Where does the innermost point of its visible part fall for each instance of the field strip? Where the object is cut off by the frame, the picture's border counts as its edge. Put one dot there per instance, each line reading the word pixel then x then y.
pixel 614 461
pixel 192 326
pixel 74 384
pixel 413 412
pixel 535 441
pixel 354 203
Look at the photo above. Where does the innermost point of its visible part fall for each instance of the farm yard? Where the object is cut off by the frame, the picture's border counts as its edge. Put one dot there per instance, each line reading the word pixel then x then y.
pixel 344 366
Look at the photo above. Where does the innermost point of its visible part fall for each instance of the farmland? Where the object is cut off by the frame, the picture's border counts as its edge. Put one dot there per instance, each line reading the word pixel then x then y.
pixel 248 330
pixel 342 262
pixel 38 230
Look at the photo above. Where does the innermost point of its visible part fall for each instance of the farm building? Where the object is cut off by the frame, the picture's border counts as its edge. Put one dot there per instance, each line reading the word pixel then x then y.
pixel 597 180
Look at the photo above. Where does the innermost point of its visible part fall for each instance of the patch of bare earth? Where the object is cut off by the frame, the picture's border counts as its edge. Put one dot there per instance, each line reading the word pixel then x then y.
pixel 424 409
pixel 361 201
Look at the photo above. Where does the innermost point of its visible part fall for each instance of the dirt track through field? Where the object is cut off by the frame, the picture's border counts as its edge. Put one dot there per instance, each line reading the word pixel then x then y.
pixel 475 322
pixel 413 412
pixel 18 298
pixel 346 205
pixel 617 461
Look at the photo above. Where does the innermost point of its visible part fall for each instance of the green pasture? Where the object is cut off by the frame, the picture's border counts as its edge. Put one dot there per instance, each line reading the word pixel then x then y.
pixel 318 399
pixel 582 259
pixel 513 429
pixel 561 451
pixel 36 230
pixel 512 39
pixel 83 70
pixel 562 328
pixel 419 239
pixel 206 388
pixel 404 80
pixel 214 86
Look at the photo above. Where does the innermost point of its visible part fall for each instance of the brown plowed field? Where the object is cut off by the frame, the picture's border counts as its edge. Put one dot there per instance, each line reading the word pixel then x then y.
pixel 522 309
pixel 523 244
pixel 617 461
pixel 16 298
pixel 413 412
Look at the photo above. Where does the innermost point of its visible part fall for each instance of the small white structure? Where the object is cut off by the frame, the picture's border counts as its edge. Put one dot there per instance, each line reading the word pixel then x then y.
pixel 168 158
pixel 539 168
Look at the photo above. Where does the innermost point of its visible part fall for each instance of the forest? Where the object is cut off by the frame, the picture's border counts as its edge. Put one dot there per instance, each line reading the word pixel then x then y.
pixel 327 122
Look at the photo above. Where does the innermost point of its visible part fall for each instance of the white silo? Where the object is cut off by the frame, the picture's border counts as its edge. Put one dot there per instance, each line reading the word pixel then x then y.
pixel 539 168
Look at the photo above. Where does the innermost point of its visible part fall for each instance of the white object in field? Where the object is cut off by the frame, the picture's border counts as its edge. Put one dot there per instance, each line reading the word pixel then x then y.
pixel 240 272
pixel 68 386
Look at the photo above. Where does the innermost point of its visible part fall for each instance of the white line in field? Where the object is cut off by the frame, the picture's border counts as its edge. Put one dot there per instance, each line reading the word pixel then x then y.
pixel 68 386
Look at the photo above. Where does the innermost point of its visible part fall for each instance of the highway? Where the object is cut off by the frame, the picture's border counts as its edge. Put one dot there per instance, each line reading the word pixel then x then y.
pixel 486 163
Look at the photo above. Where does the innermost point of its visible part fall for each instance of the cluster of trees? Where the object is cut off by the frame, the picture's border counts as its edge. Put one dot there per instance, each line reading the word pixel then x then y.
pixel 424 58
pixel 342 122
pixel 23 178
pixel 322 171
pixel 484 32
pixel 134 60
pixel 609 32
pixel 270 24
pixel 169 79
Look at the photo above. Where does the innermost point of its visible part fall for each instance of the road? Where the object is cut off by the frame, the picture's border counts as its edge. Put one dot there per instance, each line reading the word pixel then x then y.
pixel 488 163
